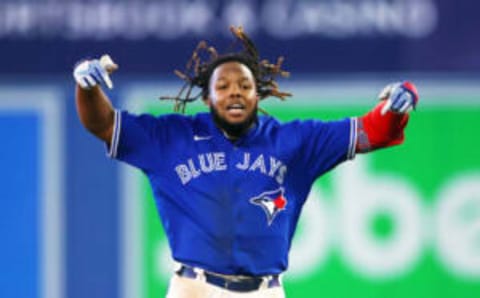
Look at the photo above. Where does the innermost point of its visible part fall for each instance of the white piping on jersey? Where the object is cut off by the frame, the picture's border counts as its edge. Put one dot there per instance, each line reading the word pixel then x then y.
pixel 353 138
pixel 112 153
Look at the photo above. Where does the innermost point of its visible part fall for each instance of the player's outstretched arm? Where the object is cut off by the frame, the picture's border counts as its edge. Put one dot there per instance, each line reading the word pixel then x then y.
pixel 94 108
pixel 384 125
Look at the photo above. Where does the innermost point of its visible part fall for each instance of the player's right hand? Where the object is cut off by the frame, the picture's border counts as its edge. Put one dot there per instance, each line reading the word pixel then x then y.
pixel 400 97
pixel 90 73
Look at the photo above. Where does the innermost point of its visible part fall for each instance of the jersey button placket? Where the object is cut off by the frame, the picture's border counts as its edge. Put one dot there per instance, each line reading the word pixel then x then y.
pixel 237 156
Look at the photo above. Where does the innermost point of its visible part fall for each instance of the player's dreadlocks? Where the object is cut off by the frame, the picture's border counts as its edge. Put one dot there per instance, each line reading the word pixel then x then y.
pixel 205 59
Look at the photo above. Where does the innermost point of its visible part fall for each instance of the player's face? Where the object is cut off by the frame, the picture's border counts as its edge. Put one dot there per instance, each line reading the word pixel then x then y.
pixel 233 94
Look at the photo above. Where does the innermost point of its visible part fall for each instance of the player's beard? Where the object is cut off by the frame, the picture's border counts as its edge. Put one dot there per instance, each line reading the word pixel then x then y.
pixel 234 130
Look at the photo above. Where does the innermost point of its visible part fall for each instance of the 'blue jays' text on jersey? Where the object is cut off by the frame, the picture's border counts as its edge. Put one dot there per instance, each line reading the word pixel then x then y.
pixel 226 207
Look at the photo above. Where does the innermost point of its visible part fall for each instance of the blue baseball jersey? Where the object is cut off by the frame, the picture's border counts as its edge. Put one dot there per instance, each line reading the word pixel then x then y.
pixel 230 207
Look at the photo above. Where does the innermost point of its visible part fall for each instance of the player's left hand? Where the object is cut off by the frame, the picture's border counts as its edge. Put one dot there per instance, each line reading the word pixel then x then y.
pixel 401 97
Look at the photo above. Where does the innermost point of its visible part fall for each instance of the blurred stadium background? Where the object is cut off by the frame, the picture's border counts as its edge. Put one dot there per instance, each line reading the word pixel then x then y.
pixel 403 222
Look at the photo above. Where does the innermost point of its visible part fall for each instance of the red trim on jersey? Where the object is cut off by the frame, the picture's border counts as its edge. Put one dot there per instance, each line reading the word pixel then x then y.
pixel 377 131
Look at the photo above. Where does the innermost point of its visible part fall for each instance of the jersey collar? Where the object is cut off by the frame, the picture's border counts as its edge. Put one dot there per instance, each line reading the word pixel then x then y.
pixel 217 133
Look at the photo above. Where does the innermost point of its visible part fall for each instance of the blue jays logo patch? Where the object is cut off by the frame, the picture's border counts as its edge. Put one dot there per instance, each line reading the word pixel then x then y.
pixel 272 202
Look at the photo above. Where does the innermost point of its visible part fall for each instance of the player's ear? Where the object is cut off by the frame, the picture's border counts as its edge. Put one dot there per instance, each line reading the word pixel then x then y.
pixel 207 101
pixel 206 97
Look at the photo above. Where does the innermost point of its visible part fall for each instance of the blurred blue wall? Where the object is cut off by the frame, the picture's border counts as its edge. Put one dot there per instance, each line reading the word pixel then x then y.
pixel 48 36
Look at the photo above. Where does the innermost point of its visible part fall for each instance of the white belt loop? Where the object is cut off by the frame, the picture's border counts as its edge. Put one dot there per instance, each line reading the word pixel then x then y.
pixel 177 266
pixel 265 282
pixel 200 273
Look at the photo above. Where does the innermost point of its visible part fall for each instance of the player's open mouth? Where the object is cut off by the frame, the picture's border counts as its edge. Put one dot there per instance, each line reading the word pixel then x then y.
pixel 236 110
pixel 235 107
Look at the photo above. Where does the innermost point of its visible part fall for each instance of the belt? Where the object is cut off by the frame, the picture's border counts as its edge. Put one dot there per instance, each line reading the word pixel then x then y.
pixel 233 283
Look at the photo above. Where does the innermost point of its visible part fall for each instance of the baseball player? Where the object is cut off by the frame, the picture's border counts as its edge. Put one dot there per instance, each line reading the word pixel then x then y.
pixel 229 184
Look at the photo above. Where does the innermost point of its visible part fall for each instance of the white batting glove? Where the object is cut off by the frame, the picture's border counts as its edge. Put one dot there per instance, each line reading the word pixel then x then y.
pixel 90 73
pixel 401 97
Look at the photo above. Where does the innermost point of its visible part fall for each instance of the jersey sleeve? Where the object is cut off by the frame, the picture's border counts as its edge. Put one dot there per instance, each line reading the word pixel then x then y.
pixel 326 144
pixel 136 140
